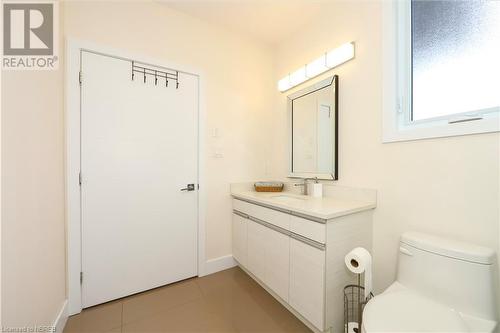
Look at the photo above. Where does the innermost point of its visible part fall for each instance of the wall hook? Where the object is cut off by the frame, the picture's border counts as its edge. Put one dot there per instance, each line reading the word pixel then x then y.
pixel 158 74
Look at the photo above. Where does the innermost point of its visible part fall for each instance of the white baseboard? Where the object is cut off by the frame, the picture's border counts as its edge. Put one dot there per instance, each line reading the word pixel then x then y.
pixel 61 318
pixel 218 264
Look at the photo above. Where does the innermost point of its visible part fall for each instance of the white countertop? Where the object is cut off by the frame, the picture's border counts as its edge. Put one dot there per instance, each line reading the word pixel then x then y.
pixel 323 208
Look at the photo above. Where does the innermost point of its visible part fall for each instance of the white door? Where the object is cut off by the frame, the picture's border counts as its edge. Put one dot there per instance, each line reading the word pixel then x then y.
pixel 138 150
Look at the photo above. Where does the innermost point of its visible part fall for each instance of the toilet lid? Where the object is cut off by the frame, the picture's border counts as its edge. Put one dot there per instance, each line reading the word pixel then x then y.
pixel 406 311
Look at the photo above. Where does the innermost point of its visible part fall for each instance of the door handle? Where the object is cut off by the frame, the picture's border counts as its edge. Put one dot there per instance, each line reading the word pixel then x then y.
pixel 189 188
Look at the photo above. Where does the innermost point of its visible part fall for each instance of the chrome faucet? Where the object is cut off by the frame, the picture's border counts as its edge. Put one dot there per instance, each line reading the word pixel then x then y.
pixel 304 184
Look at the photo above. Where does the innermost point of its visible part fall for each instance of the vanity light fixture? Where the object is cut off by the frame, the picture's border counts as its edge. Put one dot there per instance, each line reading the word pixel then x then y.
pixel 326 62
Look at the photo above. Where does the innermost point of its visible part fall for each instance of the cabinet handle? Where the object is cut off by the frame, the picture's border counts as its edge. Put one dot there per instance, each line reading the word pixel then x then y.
pixel 293 235
pixel 304 216
pixel 308 241
pixel 245 216
pixel 270 226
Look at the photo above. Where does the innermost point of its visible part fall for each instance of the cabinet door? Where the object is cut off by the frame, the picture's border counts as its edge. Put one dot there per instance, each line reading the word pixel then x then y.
pixel 256 255
pixel 269 257
pixel 240 239
pixel 277 275
pixel 307 282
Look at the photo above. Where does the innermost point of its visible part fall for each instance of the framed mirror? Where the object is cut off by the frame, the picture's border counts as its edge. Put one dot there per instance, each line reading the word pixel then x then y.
pixel 313 113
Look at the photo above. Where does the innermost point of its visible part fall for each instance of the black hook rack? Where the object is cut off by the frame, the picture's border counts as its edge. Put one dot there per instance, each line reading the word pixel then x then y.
pixel 157 74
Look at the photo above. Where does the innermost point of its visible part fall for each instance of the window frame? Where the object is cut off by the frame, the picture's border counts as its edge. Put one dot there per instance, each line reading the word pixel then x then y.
pixel 397 89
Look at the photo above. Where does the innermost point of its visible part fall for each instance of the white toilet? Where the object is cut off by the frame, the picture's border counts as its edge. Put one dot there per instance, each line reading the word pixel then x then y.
pixel 442 286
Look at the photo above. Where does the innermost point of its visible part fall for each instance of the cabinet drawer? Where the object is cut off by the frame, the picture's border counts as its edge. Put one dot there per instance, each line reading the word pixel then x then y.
pixel 275 217
pixel 307 228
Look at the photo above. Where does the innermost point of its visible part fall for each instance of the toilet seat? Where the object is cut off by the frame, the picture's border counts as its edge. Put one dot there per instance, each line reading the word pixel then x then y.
pixel 402 310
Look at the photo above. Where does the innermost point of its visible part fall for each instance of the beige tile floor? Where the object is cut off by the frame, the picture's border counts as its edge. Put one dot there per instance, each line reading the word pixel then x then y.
pixel 228 301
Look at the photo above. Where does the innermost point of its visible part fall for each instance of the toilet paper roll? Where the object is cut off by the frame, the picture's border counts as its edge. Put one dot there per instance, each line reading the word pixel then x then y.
pixel 352 327
pixel 359 261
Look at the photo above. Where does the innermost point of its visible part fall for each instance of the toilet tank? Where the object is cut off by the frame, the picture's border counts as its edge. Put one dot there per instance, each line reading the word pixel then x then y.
pixel 459 275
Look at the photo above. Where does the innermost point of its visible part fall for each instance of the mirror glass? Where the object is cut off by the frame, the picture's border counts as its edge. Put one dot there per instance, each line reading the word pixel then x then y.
pixel 314 135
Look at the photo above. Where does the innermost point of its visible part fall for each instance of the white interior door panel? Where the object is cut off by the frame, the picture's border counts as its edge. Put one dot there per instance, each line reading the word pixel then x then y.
pixel 139 148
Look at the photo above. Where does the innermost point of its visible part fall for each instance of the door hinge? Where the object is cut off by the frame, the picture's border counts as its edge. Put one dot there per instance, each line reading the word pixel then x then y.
pixel 80 77
pixel 81 277
pixel 80 178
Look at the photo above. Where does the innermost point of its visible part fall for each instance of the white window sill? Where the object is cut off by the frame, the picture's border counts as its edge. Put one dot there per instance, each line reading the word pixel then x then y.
pixel 408 133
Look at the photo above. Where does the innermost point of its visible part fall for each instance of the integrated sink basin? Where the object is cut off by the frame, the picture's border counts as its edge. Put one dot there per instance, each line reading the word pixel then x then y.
pixel 289 198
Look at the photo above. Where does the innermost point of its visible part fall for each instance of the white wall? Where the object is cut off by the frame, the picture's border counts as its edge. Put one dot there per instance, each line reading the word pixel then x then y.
pixel 447 186
pixel 1 80
pixel 32 186
pixel 238 88
pixel 33 257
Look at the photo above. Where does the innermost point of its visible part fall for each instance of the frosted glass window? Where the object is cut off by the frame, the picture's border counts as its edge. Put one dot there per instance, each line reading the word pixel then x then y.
pixel 455 57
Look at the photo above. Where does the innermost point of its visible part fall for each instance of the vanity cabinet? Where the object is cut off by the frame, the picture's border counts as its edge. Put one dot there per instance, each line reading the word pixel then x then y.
pixel 300 260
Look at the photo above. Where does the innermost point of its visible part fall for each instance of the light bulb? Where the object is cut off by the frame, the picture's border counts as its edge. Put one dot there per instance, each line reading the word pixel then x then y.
pixel 340 55
pixel 316 67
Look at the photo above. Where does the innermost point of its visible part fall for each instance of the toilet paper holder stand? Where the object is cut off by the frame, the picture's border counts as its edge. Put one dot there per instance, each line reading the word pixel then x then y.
pixel 354 302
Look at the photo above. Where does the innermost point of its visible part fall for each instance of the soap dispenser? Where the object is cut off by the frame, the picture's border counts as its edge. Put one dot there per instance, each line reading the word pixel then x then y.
pixel 316 189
